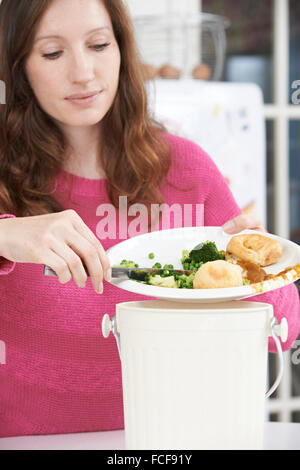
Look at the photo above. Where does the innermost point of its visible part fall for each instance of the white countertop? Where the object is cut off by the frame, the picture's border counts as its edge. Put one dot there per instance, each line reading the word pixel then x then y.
pixel 278 436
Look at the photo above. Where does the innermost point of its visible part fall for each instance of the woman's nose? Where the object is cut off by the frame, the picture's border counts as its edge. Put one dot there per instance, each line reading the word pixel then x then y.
pixel 82 67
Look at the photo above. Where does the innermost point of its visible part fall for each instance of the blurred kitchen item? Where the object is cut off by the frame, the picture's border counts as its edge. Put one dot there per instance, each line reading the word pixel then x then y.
pixel 184 42
pixel 150 72
pixel 227 121
pixel 250 208
pixel 202 72
pixel 169 72
pixel 251 69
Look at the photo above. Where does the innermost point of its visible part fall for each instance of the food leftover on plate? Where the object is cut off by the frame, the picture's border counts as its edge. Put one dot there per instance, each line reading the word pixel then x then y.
pixel 241 264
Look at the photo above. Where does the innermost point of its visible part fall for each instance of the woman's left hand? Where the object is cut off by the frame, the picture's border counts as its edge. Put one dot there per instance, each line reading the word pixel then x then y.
pixel 246 221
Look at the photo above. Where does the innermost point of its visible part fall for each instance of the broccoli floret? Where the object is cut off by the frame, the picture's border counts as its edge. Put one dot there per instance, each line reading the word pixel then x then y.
pixel 151 256
pixel 159 281
pixel 185 282
pixel 188 263
pixel 206 252
pixel 185 255
pixel 191 265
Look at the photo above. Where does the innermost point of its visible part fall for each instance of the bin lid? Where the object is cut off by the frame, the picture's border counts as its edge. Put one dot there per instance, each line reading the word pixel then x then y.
pixel 168 306
pixel 163 315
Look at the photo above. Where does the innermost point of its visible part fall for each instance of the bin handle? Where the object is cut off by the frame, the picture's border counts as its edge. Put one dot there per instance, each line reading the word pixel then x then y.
pixel 109 326
pixel 277 330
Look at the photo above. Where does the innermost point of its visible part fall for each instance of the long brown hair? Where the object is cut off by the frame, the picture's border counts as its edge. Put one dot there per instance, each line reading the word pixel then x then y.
pixel 134 155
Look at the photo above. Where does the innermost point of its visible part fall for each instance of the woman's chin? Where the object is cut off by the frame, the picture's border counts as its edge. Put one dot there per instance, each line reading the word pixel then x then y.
pixel 81 121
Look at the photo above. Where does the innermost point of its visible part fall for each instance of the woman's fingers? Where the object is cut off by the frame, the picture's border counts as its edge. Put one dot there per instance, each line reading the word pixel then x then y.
pixel 75 253
pixel 90 257
pixel 84 255
pixel 59 266
pixel 60 240
pixel 248 221
pixel 84 230
pixel 72 262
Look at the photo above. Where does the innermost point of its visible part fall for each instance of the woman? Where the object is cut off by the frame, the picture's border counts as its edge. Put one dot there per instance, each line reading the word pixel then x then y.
pixel 75 135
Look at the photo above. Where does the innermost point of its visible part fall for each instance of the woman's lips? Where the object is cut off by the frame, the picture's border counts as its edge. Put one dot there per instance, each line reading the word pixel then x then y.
pixel 86 100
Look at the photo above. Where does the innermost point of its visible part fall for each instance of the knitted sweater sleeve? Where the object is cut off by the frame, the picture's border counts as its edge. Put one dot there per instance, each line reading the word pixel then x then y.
pixel 221 206
pixel 6 266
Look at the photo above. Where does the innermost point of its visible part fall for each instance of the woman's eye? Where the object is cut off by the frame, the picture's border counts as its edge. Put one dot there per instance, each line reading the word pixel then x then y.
pixel 56 55
pixel 100 47
pixel 52 56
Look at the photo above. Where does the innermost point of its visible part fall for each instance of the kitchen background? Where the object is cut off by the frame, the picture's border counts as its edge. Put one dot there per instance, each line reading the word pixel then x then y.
pixel 251 131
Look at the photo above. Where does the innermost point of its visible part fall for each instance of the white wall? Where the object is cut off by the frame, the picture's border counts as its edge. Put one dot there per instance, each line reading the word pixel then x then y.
pixel 146 7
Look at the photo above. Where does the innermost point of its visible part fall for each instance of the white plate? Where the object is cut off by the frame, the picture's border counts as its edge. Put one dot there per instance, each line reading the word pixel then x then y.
pixel 167 245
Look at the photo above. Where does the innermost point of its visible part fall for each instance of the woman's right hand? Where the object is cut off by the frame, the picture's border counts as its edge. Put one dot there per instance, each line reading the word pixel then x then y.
pixel 61 241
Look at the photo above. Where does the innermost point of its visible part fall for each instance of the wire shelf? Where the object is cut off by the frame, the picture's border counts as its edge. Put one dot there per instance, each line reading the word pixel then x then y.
pixel 192 45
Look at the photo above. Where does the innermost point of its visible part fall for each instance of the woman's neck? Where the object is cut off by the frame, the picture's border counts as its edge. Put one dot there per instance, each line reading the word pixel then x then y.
pixel 83 155
pixel 86 166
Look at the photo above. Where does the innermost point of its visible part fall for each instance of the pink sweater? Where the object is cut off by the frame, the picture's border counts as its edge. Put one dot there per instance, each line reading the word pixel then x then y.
pixel 61 375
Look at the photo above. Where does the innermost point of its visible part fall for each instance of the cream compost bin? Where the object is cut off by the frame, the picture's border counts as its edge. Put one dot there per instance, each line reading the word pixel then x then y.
pixel 194 376
pixel 194 362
